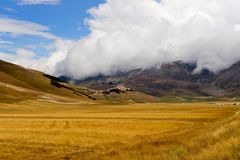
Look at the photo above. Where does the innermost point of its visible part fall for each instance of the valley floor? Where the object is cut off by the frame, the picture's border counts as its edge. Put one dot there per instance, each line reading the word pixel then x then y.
pixel 179 131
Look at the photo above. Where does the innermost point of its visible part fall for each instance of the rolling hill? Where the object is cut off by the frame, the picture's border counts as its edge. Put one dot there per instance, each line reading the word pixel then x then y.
pixel 18 83
pixel 170 81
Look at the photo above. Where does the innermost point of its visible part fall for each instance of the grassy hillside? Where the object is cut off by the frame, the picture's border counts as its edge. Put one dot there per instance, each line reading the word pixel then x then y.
pixel 31 79
pixel 18 83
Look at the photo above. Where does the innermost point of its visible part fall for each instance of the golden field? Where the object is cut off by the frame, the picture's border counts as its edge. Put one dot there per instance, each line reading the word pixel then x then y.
pixel 176 131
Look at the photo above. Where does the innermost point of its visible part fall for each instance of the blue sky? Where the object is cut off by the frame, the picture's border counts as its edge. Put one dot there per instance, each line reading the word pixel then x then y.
pixel 64 19
pixel 50 35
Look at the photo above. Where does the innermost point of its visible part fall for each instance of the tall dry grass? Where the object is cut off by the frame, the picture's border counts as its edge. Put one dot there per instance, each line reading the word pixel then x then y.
pixel 194 131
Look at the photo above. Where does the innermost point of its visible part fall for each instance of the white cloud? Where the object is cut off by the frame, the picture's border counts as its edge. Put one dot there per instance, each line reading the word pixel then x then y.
pixel 59 50
pixel 37 2
pixel 7 8
pixel 131 34
pixel 23 53
pixel 19 27
pixel 24 58
pixel 134 34
pixel 2 42
pixel 20 54
pixel 27 58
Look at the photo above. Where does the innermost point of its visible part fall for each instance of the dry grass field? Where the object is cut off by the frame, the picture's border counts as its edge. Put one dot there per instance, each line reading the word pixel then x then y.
pixel 178 131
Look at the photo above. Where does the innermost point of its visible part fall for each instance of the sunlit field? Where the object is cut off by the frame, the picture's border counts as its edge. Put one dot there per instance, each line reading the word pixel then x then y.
pixel 180 131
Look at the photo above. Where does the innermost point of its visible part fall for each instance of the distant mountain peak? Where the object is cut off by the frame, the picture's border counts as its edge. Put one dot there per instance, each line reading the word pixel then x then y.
pixel 172 79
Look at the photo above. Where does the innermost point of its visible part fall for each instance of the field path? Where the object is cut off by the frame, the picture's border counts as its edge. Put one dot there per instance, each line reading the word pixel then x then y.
pixel 46 97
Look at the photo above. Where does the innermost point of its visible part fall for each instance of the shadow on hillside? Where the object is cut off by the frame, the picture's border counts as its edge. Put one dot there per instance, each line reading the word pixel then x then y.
pixel 54 78
pixel 56 82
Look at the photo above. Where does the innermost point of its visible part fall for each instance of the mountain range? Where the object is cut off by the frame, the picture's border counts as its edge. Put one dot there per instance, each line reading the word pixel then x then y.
pixel 173 80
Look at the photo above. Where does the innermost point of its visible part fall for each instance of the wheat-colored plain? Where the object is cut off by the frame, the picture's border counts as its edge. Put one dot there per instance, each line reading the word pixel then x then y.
pixel 177 131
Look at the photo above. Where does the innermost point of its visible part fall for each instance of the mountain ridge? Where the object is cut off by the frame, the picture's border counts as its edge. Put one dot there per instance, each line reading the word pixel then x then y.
pixel 173 79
